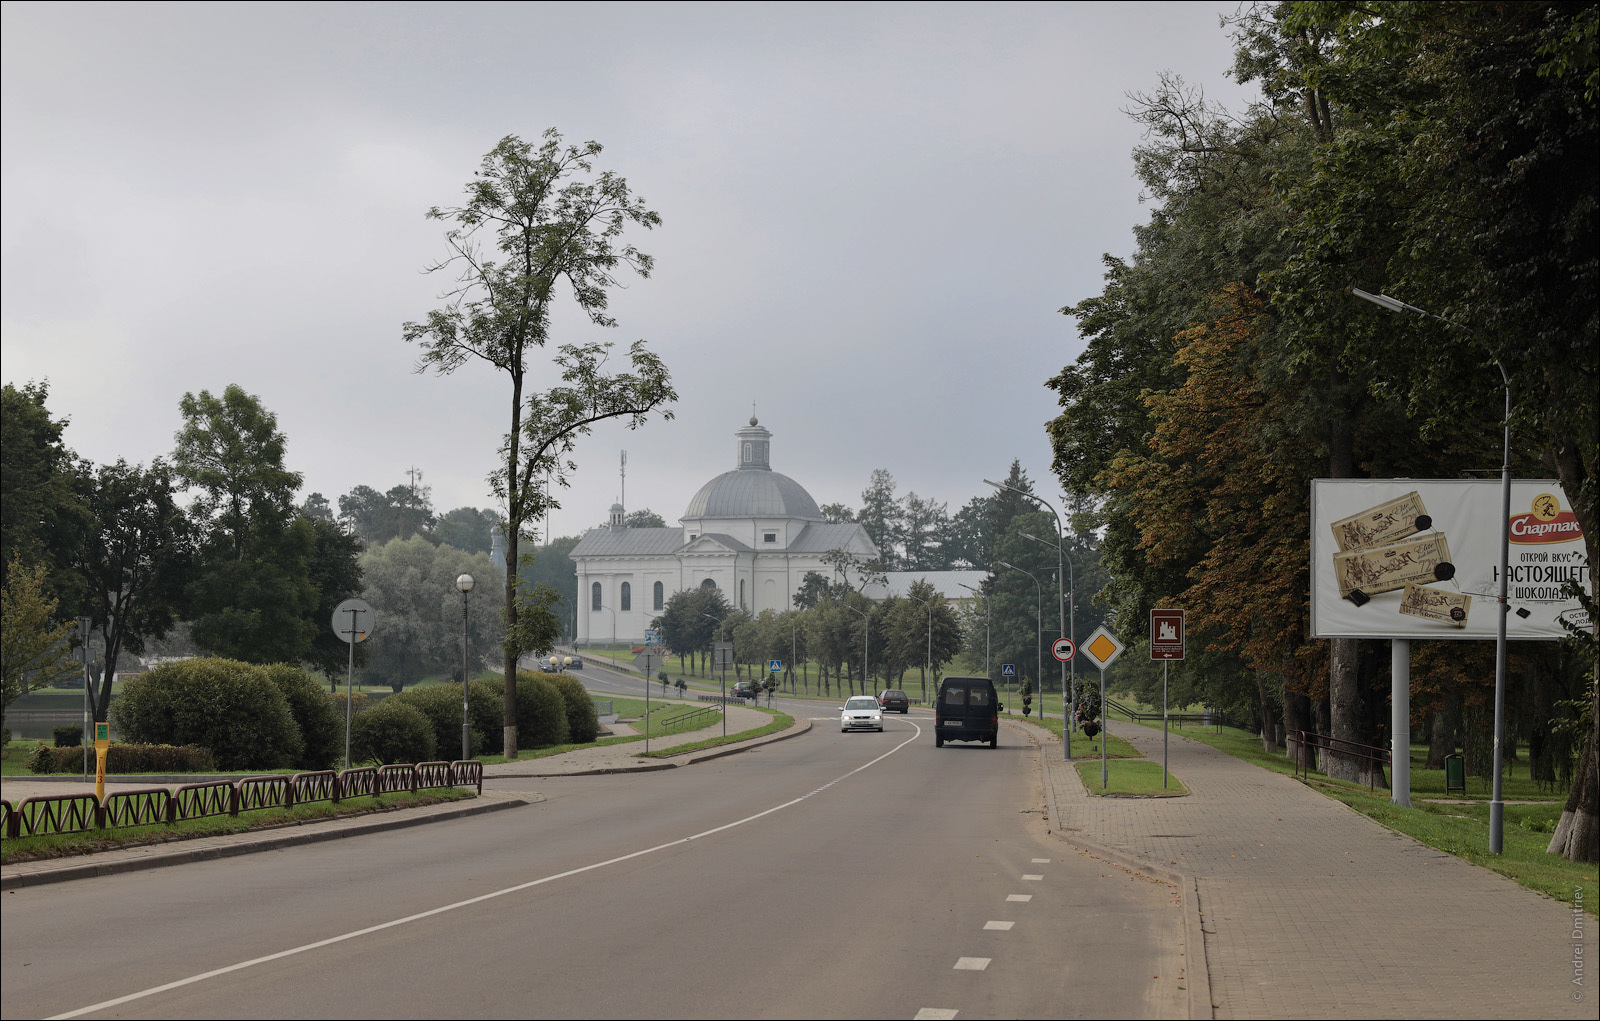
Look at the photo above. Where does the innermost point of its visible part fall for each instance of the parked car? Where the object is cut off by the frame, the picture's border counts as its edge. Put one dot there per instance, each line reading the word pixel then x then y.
pixel 860 712
pixel 745 689
pixel 894 701
pixel 967 709
pixel 574 662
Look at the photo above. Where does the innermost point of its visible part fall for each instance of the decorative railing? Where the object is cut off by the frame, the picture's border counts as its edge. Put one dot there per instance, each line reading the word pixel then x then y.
pixel 78 813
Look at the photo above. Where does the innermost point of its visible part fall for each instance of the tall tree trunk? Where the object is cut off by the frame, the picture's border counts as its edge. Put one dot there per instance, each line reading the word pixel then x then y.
pixel 1296 717
pixel 1344 700
pixel 1577 835
pixel 1269 743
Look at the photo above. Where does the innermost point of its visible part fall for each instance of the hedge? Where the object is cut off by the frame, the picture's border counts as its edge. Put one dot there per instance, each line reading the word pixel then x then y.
pixel 583 723
pixel 224 705
pixel 126 758
pixel 390 732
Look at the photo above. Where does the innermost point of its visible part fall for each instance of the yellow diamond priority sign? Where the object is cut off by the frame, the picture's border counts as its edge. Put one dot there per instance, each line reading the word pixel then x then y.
pixel 1102 648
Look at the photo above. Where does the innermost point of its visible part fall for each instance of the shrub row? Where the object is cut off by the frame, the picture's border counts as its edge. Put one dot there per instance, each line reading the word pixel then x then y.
pixel 127 758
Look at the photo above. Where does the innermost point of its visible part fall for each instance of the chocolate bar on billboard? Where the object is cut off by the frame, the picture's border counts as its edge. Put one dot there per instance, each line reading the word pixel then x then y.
pixel 1436 604
pixel 1381 525
pixel 1391 567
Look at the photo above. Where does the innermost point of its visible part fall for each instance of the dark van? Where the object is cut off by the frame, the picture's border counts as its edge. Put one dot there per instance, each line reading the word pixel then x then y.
pixel 966 710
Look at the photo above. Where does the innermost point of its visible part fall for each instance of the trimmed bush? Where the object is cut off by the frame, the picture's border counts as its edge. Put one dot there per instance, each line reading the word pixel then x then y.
pixel 441 704
pixel 583 723
pixel 70 736
pixel 391 732
pixel 220 704
pixel 321 726
pixel 127 758
pixel 541 711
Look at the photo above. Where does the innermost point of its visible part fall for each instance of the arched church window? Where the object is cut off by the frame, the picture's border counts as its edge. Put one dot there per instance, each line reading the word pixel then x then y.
pixel 741 593
pixel 708 583
pixel 594 596
pixel 627 597
pixel 659 598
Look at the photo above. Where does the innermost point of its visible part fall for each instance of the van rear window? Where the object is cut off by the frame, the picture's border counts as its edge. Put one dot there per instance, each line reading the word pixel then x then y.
pixel 955 696
pixel 978 696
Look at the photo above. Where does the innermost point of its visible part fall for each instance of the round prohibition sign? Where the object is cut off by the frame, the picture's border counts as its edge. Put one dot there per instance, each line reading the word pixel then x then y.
pixel 1063 649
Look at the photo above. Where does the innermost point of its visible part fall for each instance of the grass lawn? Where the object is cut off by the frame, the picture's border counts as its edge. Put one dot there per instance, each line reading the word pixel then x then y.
pixel 62 845
pixel 1116 747
pixel 1139 778
pixel 1461 830
pixel 780 722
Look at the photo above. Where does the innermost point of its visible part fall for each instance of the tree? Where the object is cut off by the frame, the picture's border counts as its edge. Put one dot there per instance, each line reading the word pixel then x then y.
pixel 883 518
pixel 405 510
pixel 689 623
pixel 467 529
pixel 644 518
pixel 136 564
pixel 335 569
pixel 316 506
pixel 547 221
pixel 34 648
pixel 39 519
pixel 253 595
pixel 411 585
pixel 837 513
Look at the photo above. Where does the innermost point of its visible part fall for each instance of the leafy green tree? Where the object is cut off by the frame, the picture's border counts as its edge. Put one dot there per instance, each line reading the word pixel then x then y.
pixel 335 570
pixel 837 513
pixel 411 585
pixel 468 529
pixel 317 508
pixel 690 621
pixel 34 648
pixel 883 517
pixel 136 564
pixel 402 512
pixel 40 520
pixel 533 218
pixel 552 566
pixel 644 518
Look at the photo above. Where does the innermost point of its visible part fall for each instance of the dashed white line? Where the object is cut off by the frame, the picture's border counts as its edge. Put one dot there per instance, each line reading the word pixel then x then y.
pixel 935 1014
pixel 972 963
pixel 1021 898
pixel 1034 879
pixel 1001 926
pixel 1041 861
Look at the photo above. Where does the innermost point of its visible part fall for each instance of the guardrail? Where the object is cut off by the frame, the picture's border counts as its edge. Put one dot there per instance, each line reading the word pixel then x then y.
pixel 1374 755
pixel 79 813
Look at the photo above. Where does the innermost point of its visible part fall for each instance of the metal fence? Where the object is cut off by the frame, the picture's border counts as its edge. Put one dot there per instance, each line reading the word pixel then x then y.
pixel 79 813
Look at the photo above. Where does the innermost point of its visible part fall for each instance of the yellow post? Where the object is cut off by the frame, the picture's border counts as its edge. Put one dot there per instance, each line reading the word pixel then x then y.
pixel 102 748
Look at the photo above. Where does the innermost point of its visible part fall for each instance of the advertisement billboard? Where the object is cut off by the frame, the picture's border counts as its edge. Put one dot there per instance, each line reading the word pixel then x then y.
pixel 1420 558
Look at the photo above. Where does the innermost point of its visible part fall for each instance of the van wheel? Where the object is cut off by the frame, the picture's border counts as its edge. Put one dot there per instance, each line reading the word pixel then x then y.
pixel 938 741
pixel 994 740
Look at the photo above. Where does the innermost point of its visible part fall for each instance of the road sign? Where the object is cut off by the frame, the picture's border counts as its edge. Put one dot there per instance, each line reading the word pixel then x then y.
pixel 722 655
pixel 1063 649
pixel 1166 634
pixel 774 665
pixel 648 662
pixel 1102 648
pixel 1008 670
pixel 652 636
pixel 352 620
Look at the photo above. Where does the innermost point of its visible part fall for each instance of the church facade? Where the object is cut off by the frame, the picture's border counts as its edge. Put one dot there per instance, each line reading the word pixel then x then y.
pixel 751 532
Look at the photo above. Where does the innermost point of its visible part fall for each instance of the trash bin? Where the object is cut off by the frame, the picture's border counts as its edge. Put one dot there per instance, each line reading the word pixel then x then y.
pixel 1455 774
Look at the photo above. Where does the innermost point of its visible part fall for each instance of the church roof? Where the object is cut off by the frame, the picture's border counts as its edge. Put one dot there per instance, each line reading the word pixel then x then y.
pixel 822 536
pixel 752 493
pixel 624 542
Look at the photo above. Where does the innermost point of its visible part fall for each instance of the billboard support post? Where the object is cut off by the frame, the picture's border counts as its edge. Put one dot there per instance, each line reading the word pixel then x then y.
pixel 1400 721
pixel 1497 807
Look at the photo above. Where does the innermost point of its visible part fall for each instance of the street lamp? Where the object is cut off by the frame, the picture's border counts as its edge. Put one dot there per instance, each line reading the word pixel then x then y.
pixel 1497 808
pixel 464 583
pixel 723 664
pixel 988 670
pixel 1066 713
pixel 1068 716
pixel 1038 642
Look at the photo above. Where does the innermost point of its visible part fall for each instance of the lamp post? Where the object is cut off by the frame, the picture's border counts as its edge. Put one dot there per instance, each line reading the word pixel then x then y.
pixel 464 583
pixel 723 665
pixel 1038 642
pixel 988 670
pixel 1066 713
pixel 1072 616
pixel 865 635
pixel 1497 808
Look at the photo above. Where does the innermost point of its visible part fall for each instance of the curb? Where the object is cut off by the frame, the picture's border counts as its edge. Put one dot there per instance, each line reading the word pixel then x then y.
pixel 358 826
pixel 800 726
pixel 1197 971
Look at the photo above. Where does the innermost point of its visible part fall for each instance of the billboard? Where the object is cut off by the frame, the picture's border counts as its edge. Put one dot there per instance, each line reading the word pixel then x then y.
pixel 1420 558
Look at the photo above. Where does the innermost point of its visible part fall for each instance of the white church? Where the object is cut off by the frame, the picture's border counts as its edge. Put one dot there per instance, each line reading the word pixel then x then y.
pixel 752 532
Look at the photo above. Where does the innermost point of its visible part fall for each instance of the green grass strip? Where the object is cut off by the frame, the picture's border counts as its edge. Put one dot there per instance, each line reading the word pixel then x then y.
pixel 780 722
pixel 1129 778
pixel 61 845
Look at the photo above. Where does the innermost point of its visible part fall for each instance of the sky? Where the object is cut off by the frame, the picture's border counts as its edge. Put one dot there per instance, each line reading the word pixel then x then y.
pixel 871 217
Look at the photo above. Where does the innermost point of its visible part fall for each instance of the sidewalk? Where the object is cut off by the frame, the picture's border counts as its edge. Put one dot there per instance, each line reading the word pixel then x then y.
pixel 1309 909
pixel 587 761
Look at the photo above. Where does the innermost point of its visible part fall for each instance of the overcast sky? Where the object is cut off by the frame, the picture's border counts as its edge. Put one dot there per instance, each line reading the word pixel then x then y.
pixel 870 217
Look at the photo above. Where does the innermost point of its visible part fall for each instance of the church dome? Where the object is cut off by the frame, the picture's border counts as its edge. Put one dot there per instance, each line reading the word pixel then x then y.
pixel 744 493
pixel 753 490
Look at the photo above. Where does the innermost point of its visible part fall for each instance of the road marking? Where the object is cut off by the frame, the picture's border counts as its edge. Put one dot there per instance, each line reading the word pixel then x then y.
pixel 972 963
pixel 1041 861
pixel 1033 878
pixel 1001 926
pixel 481 898
pixel 935 1014
pixel 1021 897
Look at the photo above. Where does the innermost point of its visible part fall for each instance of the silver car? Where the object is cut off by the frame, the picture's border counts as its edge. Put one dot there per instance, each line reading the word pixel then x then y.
pixel 860 712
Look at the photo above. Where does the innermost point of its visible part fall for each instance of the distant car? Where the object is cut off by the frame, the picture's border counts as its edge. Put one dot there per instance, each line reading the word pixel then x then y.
pixel 894 701
pixel 860 712
pixel 745 689
pixel 574 662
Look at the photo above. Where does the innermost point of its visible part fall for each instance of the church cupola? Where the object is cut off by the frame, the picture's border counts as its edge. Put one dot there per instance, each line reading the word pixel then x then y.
pixel 755 446
pixel 617 517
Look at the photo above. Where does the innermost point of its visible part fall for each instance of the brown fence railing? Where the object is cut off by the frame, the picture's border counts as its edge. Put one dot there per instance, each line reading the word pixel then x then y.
pixel 1374 756
pixel 78 813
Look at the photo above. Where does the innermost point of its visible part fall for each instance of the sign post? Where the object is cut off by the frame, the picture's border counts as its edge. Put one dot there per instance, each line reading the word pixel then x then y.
pixel 102 749
pixel 648 662
pixel 724 651
pixel 1063 649
pixel 1166 644
pixel 352 621
pixel 1103 648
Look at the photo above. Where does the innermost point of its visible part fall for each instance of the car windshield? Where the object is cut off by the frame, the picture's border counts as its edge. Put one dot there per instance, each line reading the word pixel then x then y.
pixel 861 702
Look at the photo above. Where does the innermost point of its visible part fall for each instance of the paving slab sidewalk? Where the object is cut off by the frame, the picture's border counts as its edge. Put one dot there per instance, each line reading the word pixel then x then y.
pixel 1309 909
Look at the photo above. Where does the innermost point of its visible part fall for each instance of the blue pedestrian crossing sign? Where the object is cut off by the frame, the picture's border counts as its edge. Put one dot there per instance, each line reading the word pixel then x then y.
pixel 1008 670
pixel 774 665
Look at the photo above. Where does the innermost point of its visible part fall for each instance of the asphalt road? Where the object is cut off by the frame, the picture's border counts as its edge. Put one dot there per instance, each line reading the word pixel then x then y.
pixel 859 875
